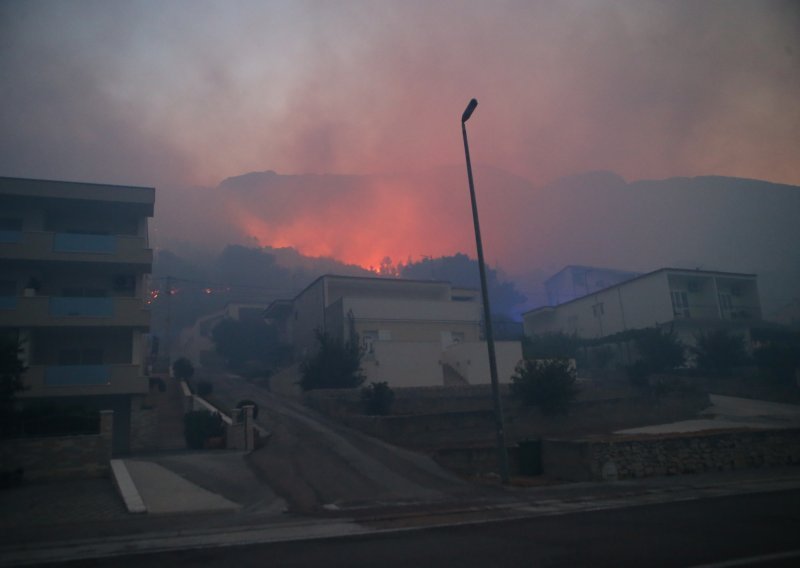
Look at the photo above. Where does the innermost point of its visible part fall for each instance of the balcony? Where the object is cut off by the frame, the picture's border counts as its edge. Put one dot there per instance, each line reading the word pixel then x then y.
pixel 44 311
pixel 65 380
pixel 75 242
pixel 70 247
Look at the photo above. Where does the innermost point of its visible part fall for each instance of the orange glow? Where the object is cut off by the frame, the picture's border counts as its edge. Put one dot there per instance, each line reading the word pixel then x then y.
pixel 382 219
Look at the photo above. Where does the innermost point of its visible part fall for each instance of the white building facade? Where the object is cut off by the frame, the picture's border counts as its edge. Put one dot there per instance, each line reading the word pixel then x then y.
pixel 689 301
pixel 413 333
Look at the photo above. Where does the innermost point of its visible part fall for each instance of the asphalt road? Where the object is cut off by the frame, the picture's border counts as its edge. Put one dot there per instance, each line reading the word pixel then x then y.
pixel 748 530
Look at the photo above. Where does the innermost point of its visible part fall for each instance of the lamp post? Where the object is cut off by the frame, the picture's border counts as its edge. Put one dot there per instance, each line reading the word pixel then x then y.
pixel 502 456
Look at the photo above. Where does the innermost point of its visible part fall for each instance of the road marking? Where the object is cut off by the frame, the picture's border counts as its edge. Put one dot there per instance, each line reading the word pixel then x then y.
pixel 751 560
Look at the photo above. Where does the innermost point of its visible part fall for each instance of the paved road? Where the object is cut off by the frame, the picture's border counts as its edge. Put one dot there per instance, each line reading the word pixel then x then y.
pixel 762 527
pixel 315 463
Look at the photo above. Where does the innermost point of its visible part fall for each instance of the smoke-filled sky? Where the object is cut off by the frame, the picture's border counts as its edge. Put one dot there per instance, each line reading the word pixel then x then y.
pixel 184 94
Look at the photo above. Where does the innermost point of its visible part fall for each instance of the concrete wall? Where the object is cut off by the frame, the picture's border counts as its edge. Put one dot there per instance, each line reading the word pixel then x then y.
pixel 61 456
pixel 643 456
pixel 144 425
pixel 308 315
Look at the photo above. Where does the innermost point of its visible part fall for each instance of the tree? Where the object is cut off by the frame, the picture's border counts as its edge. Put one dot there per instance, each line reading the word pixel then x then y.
pixel 336 365
pixel 778 355
pixel 183 369
pixel 547 384
pixel 463 271
pixel 249 343
pixel 717 351
pixel 377 398
pixel 660 350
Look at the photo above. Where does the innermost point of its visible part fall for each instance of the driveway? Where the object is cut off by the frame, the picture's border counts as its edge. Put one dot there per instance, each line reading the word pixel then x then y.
pixel 315 463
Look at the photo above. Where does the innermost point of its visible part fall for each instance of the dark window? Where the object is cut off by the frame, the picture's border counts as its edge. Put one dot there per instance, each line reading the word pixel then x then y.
pixel 85 356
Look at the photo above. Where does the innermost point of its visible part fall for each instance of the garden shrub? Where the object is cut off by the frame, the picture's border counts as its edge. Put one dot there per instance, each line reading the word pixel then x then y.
pixel 377 399
pixel 547 384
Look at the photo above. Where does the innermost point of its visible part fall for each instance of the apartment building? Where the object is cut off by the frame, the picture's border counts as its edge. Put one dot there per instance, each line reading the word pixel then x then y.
pixel 74 261
pixel 688 301
pixel 575 281
pixel 412 332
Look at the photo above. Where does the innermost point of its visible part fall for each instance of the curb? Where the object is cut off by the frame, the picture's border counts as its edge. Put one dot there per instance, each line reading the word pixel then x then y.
pixel 126 487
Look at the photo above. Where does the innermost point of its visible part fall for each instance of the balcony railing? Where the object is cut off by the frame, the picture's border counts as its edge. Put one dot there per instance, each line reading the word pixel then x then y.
pixel 42 245
pixel 76 375
pixel 87 307
pixel 44 380
pixel 35 311
pixel 10 236
pixel 78 242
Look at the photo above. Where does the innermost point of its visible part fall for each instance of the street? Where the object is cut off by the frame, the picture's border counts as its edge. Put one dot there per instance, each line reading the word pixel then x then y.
pixel 687 533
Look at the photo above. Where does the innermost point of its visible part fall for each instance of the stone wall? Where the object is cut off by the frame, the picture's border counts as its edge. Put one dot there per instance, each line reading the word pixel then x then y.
pixel 470 427
pixel 144 425
pixel 622 457
pixel 61 456
pixel 407 401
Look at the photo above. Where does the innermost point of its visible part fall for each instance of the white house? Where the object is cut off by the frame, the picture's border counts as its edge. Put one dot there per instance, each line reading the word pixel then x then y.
pixel 413 333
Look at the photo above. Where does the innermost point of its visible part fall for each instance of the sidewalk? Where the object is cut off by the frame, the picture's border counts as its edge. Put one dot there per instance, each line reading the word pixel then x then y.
pixel 78 520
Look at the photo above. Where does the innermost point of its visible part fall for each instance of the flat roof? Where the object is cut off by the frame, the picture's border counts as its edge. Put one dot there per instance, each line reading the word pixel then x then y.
pixel 79 191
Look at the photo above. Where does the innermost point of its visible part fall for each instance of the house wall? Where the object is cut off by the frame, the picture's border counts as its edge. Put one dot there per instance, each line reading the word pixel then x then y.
pixel 308 314
pixel 471 360
pixel 405 364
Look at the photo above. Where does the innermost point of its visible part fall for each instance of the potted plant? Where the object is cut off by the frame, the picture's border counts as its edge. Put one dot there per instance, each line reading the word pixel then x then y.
pixel 32 287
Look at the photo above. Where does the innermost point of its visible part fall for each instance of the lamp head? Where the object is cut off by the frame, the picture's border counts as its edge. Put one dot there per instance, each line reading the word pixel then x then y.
pixel 469 110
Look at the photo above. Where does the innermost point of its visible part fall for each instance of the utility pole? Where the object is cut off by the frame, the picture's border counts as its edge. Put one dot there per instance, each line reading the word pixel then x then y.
pixel 168 333
pixel 502 455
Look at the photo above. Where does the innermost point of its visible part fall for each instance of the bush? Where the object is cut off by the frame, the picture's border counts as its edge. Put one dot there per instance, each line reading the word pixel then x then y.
pixel 717 352
pixel 248 402
pixel 183 369
pixel 638 373
pixel 199 426
pixel 204 388
pixel 377 399
pixel 779 359
pixel 546 384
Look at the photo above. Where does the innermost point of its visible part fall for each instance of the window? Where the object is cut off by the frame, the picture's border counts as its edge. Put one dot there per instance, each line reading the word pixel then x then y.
pixel 83 292
pixel 77 356
pixel 680 303
pixel 368 339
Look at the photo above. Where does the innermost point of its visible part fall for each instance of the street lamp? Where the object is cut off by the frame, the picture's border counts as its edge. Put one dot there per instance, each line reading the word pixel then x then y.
pixel 502 456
